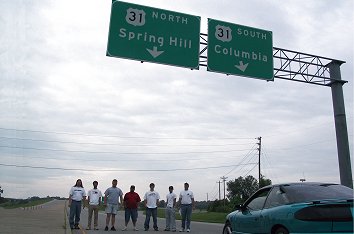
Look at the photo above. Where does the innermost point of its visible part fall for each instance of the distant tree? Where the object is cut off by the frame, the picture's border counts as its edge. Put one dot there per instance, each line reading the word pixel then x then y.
pixel 202 205
pixel 241 188
pixel 264 182
pixel 1 191
pixel 34 198
pixel 162 203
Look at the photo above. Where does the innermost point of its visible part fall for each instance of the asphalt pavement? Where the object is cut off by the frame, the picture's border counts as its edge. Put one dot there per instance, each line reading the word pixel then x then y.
pixel 196 227
pixel 47 218
pixel 52 218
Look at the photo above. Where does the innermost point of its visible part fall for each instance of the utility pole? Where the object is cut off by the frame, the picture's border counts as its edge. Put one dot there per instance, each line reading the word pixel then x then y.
pixel 224 179
pixel 219 182
pixel 259 160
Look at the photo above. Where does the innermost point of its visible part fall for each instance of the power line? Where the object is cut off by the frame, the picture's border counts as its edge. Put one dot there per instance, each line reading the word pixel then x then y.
pixel 116 159
pixel 304 145
pixel 112 152
pixel 108 170
pixel 115 144
pixel 243 165
pixel 126 137
pixel 244 158
pixel 256 164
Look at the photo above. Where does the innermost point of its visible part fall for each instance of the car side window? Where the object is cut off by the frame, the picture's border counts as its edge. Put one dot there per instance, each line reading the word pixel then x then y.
pixel 257 201
pixel 277 197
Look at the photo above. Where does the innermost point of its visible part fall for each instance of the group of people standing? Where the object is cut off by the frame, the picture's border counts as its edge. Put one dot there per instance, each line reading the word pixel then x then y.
pixel 113 195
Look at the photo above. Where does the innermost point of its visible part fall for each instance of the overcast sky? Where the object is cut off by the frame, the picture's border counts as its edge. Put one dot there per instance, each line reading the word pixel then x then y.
pixel 68 111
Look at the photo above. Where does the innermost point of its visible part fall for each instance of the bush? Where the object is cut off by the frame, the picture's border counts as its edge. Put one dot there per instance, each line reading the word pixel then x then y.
pixel 3 200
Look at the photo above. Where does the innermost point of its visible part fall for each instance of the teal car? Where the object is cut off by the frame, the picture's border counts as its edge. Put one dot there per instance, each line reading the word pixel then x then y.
pixel 294 208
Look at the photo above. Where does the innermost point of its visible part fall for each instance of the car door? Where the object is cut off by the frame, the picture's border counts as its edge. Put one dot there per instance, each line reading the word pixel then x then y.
pixel 249 219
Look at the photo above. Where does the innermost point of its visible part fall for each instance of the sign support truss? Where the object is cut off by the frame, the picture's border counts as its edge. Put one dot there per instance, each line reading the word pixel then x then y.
pixel 301 67
pixel 312 69
pixel 290 65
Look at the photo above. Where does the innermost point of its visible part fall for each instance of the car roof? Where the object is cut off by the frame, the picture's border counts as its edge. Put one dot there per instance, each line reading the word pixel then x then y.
pixel 299 183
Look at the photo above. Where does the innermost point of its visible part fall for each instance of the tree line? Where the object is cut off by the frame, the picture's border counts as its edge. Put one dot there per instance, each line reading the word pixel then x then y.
pixel 238 191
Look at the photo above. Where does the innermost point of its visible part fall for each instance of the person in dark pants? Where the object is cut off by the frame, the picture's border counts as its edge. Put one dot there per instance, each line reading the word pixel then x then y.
pixel 151 200
pixel 131 202
pixel 186 202
pixel 77 194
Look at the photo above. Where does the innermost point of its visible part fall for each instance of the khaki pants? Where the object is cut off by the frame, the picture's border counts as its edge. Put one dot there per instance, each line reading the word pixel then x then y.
pixel 170 215
pixel 93 209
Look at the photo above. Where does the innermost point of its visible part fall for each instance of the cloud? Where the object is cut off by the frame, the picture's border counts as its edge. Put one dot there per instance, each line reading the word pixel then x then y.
pixel 65 105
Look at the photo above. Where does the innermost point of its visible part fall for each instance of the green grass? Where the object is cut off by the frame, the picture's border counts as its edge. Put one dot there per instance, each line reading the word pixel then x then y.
pixel 24 203
pixel 199 216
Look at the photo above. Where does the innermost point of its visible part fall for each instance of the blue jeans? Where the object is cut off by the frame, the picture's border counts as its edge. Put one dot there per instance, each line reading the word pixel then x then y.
pixel 149 212
pixel 133 213
pixel 75 211
pixel 186 212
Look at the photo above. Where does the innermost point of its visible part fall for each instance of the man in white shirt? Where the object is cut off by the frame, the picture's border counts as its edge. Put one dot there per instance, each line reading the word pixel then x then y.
pixel 170 210
pixel 151 200
pixel 186 201
pixel 94 200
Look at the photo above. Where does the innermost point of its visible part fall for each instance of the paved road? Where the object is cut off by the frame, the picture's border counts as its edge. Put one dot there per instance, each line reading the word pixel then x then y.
pixel 47 218
pixel 50 218
pixel 196 227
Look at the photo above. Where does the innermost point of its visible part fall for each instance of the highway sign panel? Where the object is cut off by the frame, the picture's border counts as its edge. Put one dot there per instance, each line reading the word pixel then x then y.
pixel 240 50
pixel 155 35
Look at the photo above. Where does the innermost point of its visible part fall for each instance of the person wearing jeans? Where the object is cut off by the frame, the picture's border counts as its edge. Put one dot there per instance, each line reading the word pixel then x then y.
pixel 151 200
pixel 131 203
pixel 186 201
pixel 76 195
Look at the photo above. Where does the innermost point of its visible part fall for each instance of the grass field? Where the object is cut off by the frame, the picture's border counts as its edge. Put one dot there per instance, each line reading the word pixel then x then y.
pixel 24 203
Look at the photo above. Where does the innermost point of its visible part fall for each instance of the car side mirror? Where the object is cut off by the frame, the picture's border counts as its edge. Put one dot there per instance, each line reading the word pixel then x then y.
pixel 239 207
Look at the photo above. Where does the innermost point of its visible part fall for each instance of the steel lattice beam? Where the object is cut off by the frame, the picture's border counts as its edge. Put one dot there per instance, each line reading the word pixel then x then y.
pixel 290 65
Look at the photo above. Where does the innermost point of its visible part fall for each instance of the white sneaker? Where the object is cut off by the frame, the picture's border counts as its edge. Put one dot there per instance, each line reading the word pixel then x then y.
pixel 124 229
pixel 188 230
pixel 181 230
pixel 136 229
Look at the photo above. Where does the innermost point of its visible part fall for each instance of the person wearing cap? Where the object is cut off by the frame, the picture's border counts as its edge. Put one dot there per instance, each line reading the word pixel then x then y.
pixel 151 200
pixel 94 197
pixel 131 203
pixel 186 202
pixel 170 213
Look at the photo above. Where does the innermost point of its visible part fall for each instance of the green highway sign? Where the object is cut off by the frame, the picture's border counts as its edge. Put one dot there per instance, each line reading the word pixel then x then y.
pixel 240 50
pixel 155 35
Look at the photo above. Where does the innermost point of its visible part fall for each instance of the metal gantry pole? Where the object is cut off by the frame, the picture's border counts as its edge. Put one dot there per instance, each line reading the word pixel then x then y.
pixel 317 70
pixel 340 121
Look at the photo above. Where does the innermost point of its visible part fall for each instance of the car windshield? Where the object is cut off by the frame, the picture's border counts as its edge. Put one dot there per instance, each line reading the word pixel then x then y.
pixel 314 192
